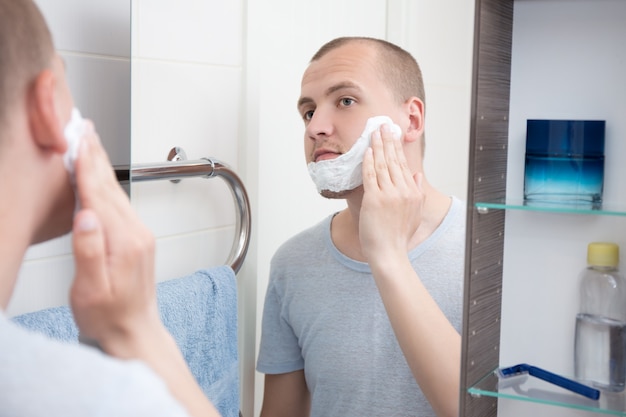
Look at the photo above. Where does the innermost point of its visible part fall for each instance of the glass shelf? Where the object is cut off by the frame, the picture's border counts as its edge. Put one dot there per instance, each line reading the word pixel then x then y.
pixel 606 209
pixel 528 388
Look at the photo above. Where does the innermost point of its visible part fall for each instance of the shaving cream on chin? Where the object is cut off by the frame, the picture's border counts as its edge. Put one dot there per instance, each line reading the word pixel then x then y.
pixel 344 173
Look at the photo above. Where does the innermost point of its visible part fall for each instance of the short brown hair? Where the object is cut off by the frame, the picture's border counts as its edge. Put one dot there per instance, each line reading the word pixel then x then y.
pixel 398 67
pixel 26 49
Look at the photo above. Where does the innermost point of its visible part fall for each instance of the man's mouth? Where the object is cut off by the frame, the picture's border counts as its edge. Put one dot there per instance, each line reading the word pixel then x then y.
pixel 323 155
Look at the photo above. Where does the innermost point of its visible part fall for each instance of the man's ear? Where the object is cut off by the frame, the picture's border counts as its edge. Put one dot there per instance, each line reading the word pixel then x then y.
pixel 42 113
pixel 415 110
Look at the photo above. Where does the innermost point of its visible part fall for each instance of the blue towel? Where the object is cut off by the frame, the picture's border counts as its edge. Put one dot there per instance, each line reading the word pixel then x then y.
pixel 56 323
pixel 200 311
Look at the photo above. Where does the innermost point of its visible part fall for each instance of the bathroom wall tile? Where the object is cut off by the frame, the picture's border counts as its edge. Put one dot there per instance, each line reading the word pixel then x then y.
pixel 441 38
pixel 184 254
pixel 196 107
pixel 46 283
pixel 42 284
pixel 193 204
pixel 447 132
pixel 101 89
pixel 309 27
pixel 52 248
pixel 98 27
pixel 191 30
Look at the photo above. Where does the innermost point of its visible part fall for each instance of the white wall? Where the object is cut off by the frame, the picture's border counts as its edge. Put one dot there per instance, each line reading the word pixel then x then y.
pixel 221 79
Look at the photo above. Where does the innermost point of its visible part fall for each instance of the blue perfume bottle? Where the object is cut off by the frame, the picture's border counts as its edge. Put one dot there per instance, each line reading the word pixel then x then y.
pixel 564 162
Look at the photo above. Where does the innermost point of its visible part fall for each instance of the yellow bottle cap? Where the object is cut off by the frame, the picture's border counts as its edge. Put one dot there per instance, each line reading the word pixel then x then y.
pixel 603 254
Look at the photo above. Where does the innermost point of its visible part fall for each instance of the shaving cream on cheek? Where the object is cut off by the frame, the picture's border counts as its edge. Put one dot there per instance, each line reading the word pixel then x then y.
pixel 73 132
pixel 344 173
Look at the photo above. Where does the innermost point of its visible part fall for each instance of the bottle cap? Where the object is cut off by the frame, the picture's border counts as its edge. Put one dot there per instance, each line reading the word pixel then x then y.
pixel 603 254
pixel 565 138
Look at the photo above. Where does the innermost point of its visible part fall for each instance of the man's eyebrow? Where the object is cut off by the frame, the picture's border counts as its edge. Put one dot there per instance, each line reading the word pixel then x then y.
pixel 342 86
pixel 330 90
pixel 303 101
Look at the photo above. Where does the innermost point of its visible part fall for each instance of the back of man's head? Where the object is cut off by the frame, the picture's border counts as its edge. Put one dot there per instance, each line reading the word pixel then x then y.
pixel 25 50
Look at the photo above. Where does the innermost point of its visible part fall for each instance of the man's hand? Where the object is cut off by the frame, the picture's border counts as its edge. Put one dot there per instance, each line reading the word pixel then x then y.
pixel 392 201
pixel 113 295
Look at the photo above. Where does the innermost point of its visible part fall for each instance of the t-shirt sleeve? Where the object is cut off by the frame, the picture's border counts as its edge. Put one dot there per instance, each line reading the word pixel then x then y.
pixel 280 351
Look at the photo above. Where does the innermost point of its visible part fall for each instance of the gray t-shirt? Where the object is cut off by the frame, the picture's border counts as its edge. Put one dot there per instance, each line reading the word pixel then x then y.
pixel 41 377
pixel 323 313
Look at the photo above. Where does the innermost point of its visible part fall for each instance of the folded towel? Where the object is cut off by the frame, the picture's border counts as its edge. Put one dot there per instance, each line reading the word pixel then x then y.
pixel 200 311
pixel 56 323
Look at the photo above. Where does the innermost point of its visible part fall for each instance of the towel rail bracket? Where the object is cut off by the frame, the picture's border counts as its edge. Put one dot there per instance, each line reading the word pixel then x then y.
pixel 178 167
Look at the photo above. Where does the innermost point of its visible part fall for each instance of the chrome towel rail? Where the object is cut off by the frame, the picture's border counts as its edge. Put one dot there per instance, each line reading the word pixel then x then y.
pixel 179 168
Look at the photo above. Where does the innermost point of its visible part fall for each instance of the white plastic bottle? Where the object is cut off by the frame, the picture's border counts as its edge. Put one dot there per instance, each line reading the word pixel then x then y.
pixel 600 341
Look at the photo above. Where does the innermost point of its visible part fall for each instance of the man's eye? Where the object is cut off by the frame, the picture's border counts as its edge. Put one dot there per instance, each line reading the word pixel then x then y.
pixel 308 115
pixel 346 101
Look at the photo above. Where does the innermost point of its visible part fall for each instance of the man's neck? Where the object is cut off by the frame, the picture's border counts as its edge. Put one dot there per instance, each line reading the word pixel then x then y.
pixel 16 222
pixel 345 225
pixel 12 255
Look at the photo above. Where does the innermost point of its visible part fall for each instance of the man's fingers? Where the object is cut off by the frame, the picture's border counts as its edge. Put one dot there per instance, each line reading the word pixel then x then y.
pixel 369 174
pixel 98 188
pixel 94 173
pixel 90 256
pixel 380 160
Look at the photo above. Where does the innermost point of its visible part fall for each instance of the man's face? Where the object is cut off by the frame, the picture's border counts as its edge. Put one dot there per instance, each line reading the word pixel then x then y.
pixel 339 92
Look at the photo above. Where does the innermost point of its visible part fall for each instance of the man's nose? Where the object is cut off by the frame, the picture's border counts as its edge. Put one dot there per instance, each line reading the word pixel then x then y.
pixel 320 126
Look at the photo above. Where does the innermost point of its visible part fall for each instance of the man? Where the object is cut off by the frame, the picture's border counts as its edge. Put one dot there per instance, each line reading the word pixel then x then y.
pixel 377 286
pixel 113 296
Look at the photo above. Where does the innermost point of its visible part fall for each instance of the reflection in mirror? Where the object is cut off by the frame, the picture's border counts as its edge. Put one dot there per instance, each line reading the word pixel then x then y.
pixel 94 40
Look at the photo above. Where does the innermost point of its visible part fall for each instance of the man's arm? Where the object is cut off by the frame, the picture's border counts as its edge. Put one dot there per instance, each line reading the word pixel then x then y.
pixel 286 395
pixel 429 342
pixel 390 216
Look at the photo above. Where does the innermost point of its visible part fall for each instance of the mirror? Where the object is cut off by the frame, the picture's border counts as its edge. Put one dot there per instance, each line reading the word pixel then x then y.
pixel 94 39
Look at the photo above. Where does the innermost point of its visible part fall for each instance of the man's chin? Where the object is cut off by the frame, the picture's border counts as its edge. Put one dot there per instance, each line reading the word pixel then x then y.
pixel 336 194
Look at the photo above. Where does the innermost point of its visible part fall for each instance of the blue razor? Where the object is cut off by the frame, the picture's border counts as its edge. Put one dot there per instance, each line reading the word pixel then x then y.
pixel 555 379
